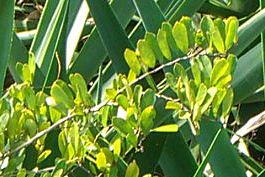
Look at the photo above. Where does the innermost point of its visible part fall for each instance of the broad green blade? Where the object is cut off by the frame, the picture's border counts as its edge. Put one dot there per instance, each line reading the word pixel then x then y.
pixel 19 53
pixel 153 146
pixel 111 32
pixel 150 14
pixel 176 158
pixel 248 74
pixel 199 171
pixel 249 31
pixel 93 52
pixel 221 163
pixel 6 27
pixel 262 5
pixel 47 37
pixel 77 15
pixel 186 8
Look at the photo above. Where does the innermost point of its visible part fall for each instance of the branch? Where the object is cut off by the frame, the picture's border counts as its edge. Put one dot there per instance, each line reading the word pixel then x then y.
pixel 99 106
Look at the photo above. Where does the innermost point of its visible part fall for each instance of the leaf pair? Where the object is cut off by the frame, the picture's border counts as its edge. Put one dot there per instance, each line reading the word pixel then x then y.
pixel 221 33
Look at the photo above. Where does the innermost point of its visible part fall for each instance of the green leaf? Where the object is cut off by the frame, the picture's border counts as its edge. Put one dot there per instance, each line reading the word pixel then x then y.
pixel 6 34
pixel 218 39
pixel 70 152
pixel 101 161
pixel 190 30
pixel 232 60
pixel 227 102
pixel 179 71
pixel 137 94
pixel 173 105
pixel 220 25
pixel 123 101
pixel 22 172
pixel 220 69
pixel 167 27
pixel 31 127
pixel 218 101
pixel 62 142
pixel 166 128
pixel 122 126
pixel 62 94
pixel 44 155
pixel 180 34
pixel 74 137
pixel 117 147
pixel 146 119
pixel 195 69
pixel 132 60
pixel 163 44
pixel 207 27
pixel 152 42
pixel 231 32
pixel 197 113
pixel 146 53
pixel 201 94
pixel 148 98
pixel 80 88
pixel 111 93
pixel 211 92
pixel 132 170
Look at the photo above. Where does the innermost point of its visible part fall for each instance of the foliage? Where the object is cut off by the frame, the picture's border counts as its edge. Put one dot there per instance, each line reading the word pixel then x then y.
pixel 171 99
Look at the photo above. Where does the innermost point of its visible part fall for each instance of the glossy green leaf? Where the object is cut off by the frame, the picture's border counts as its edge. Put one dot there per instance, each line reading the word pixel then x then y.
pixel 137 94
pixel 152 42
pixel 44 155
pixel 218 101
pixel 123 101
pixel 163 44
pixel 181 36
pixel 122 125
pixel 231 32
pixel 207 27
pixel 175 50
pixel 62 94
pixel 31 127
pixel 195 69
pixel 132 60
pixel 187 21
pixel 132 170
pixel 218 41
pixel 227 102
pixel 173 105
pixel 146 119
pixel 167 128
pixel 148 98
pixel 201 94
pixel 111 93
pixel 146 53
pixel 211 92
pixel 219 70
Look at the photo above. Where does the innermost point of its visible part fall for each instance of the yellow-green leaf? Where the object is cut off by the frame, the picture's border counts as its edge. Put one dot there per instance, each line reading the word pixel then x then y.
pixel 167 128
pixel 132 60
pixel 181 37
pixel 132 170
pixel 146 53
